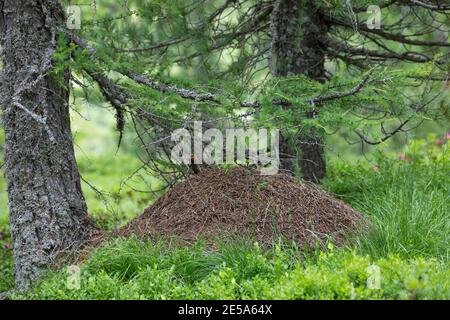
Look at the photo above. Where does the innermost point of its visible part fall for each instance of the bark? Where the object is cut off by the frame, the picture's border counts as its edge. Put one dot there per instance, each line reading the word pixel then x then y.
pixel 298 37
pixel 47 210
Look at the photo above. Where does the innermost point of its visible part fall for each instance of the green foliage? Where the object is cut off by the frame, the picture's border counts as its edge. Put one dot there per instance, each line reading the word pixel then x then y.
pixel 387 94
pixel 132 269
pixel 214 59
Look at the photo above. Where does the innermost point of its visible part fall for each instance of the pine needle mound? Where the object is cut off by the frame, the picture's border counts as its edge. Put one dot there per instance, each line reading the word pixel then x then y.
pixel 241 202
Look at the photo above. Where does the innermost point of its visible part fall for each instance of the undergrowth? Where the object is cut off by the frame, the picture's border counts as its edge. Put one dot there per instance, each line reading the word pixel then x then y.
pixel 405 196
pixel 133 269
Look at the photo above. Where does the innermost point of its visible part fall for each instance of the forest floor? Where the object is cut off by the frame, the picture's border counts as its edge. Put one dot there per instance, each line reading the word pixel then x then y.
pixel 405 198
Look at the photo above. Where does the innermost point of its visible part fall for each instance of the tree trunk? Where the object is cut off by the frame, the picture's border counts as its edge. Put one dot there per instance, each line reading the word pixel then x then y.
pixel 47 210
pixel 297 37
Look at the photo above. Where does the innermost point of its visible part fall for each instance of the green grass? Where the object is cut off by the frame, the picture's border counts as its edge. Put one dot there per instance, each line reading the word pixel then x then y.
pixel 408 205
pixel 133 269
pixel 409 223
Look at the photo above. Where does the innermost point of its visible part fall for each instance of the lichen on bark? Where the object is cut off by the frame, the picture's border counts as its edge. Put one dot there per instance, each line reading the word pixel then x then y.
pixel 47 210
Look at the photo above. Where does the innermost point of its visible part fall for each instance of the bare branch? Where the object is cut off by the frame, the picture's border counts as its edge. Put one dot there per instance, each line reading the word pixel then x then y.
pixel 338 95
pixel 184 93
pixel 364 9
pixel 407 56
pixel 390 36
pixel 431 6
pixel 386 137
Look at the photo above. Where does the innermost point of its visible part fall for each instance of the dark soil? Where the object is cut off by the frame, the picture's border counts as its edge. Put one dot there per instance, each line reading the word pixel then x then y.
pixel 241 202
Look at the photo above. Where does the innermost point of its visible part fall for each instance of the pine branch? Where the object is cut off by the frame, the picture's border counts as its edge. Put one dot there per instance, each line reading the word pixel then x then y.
pixel 199 28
